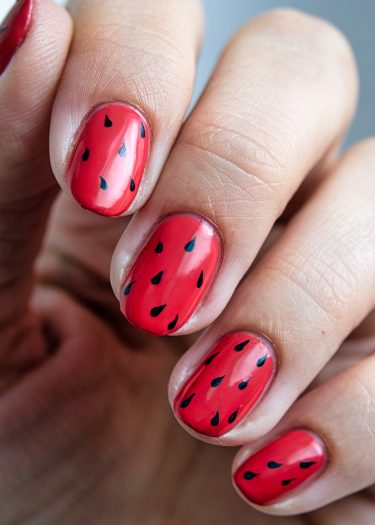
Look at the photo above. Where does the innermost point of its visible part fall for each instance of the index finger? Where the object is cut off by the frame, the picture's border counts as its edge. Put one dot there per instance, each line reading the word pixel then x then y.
pixel 122 99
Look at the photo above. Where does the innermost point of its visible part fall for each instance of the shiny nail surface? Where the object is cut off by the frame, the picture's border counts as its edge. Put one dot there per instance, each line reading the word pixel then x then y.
pixel 231 379
pixel 109 159
pixel 171 274
pixel 13 31
pixel 281 466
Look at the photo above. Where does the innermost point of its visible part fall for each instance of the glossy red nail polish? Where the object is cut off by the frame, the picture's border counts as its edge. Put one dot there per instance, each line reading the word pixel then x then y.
pixel 109 159
pixel 227 384
pixel 171 274
pixel 281 466
pixel 13 31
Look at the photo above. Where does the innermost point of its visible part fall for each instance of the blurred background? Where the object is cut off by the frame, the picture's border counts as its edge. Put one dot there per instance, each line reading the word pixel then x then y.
pixel 356 20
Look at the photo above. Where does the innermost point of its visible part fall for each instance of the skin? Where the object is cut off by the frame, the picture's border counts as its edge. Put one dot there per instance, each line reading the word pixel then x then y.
pixel 87 434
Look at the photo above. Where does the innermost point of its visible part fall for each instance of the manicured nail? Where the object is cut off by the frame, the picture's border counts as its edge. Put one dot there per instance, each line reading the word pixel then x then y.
pixel 231 379
pixel 109 159
pixel 13 31
pixel 171 274
pixel 281 466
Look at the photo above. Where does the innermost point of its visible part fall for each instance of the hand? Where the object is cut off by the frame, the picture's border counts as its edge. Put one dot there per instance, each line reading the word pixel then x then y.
pixel 87 435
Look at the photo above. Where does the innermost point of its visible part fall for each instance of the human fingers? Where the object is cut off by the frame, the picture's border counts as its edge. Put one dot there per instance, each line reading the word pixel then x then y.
pixel 313 287
pixel 122 98
pixel 35 38
pixel 282 94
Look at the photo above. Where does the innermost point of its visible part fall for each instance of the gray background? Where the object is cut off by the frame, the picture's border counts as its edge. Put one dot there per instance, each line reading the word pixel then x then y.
pixel 355 18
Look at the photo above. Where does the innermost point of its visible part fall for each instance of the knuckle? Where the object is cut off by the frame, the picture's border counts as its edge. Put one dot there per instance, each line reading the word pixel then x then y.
pixel 249 168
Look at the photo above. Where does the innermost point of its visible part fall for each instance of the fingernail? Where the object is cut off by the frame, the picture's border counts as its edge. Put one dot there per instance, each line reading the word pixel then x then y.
pixel 13 31
pixel 281 466
pixel 109 159
pixel 172 274
pixel 231 379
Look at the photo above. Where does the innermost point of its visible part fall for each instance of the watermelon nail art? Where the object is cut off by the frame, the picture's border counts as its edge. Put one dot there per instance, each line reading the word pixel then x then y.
pixel 13 31
pixel 231 379
pixel 109 159
pixel 172 274
pixel 281 466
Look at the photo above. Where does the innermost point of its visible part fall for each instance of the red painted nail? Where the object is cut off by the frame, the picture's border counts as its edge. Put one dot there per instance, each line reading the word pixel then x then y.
pixel 13 31
pixel 227 384
pixel 171 274
pixel 109 159
pixel 281 466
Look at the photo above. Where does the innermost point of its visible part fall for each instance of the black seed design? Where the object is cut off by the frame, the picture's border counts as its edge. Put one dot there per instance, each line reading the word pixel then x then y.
pixel 86 155
pixel 261 360
pixel 189 247
pixel 274 464
pixel 132 185
pixel 211 358
pixel 215 420
pixel 157 310
pixel 157 278
pixel 108 122
pixel 128 288
pixel 250 475
pixel 232 417
pixel 173 323
pixel 307 464
pixel 200 280
pixel 2 29
pixel 103 183
pixel 122 150
pixel 186 402
pixel 242 345
pixel 286 482
pixel 143 131
pixel 159 247
pixel 216 382
pixel 243 384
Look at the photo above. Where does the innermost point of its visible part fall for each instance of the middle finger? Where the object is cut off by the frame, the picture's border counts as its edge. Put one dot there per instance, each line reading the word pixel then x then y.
pixel 282 95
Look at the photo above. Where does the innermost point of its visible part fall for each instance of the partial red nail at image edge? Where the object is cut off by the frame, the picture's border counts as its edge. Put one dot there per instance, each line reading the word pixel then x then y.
pixel 13 31
pixel 281 466
pixel 172 273
pixel 109 159
pixel 228 383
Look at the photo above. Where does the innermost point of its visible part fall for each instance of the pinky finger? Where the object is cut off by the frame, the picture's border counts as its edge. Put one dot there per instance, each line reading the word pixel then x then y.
pixel 323 450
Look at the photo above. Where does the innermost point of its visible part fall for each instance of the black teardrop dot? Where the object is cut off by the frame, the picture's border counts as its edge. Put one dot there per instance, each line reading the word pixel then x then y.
pixel 274 464
pixel 107 122
pixel 143 131
pixel 286 482
pixel 157 278
pixel 242 345
pixel 157 310
pixel 189 247
pixel 211 358
pixel 86 155
pixel 173 323
pixel 250 475
pixel 243 384
pixel 159 247
pixel 2 29
pixel 128 288
pixel 232 417
pixel 216 382
pixel 122 150
pixel 103 183
pixel 200 280
pixel 261 360
pixel 132 185
pixel 186 402
pixel 307 464
pixel 215 420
